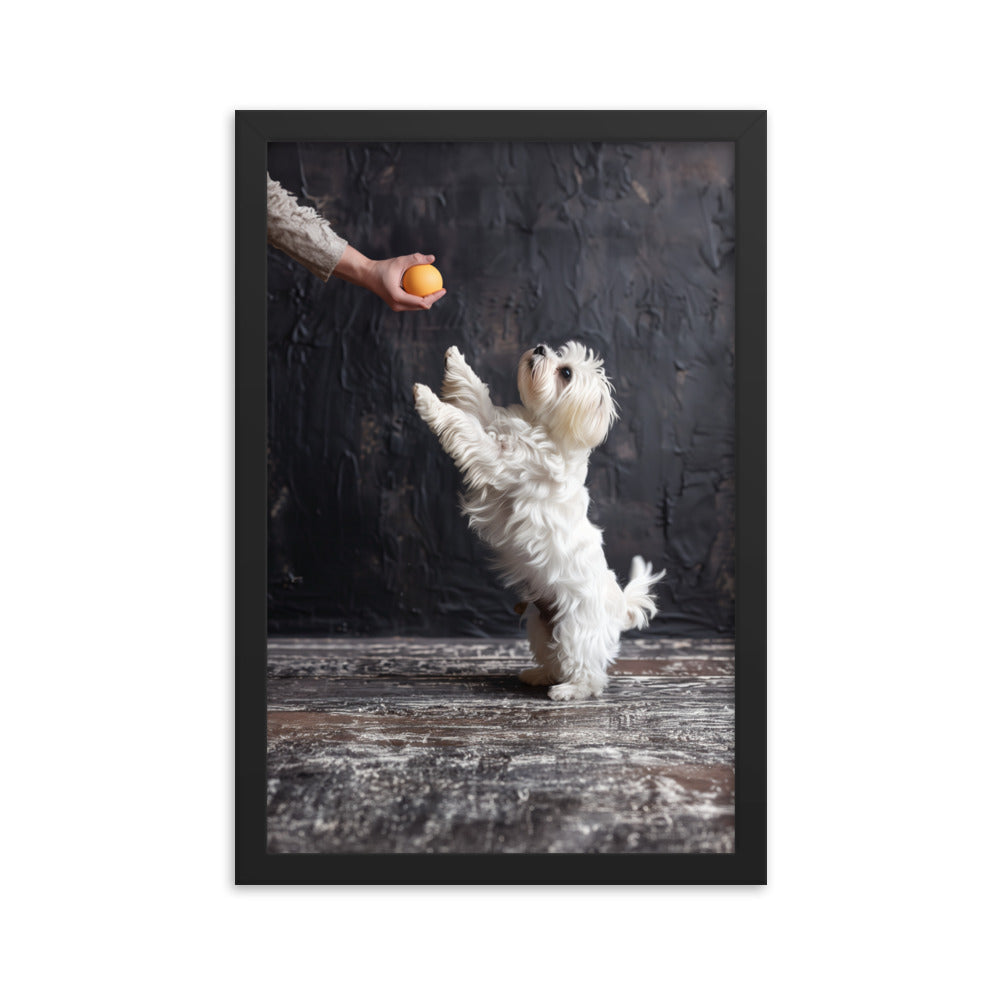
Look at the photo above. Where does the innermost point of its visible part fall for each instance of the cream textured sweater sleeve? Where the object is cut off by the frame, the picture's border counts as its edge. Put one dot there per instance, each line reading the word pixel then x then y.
pixel 301 233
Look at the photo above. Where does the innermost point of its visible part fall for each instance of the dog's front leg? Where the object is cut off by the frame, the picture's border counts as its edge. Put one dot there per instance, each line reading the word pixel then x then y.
pixel 462 436
pixel 463 388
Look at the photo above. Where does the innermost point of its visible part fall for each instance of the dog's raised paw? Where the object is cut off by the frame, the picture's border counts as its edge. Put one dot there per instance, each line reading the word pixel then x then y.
pixel 455 366
pixel 424 399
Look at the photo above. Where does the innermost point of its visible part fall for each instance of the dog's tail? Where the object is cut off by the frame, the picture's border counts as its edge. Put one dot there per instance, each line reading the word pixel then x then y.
pixel 639 604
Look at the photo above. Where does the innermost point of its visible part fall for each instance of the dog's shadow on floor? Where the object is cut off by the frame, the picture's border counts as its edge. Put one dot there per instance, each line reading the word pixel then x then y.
pixel 500 684
pixel 513 685
pixel 489 686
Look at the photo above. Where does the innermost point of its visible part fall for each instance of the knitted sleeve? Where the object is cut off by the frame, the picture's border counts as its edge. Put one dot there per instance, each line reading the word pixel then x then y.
pixel 301 233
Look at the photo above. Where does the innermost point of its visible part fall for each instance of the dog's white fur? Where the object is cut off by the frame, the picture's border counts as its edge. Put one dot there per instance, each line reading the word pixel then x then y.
pixel 524 469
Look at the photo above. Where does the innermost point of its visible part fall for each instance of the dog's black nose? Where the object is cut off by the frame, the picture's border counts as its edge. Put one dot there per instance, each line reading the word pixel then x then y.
pixel 540 349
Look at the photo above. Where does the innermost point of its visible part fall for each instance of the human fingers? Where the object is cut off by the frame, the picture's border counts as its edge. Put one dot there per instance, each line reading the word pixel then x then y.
pixel 403 302
pixel 429 300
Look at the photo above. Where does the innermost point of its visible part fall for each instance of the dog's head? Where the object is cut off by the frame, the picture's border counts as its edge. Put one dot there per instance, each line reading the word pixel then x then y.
pixel 568 392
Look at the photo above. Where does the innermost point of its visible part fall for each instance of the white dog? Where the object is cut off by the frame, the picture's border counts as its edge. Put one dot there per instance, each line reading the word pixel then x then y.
pixel 524 469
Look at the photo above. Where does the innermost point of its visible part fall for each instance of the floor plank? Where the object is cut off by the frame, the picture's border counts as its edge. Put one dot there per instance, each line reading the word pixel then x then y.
pixel 405 746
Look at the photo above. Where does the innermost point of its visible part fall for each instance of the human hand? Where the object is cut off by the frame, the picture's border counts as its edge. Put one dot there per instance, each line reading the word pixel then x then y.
pixel 385 278
pixel 387 283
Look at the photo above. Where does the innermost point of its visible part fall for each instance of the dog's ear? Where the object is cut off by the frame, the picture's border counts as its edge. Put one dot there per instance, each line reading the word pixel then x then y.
pixel 587 414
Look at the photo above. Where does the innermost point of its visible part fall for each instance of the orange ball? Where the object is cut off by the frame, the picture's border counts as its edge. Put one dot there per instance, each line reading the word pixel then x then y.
pixel 422 280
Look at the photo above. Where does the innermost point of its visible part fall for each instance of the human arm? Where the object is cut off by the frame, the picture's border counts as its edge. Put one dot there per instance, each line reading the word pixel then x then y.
pixel 302 233
pixel 307 237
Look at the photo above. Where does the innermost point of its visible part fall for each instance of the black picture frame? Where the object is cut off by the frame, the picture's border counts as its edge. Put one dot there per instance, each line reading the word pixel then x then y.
pixel 254 130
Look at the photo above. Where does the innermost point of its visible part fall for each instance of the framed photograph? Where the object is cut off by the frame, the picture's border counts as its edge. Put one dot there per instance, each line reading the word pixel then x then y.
pixel 501 497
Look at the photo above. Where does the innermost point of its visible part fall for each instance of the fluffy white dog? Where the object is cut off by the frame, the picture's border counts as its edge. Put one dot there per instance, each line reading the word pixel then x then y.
pixel 524 469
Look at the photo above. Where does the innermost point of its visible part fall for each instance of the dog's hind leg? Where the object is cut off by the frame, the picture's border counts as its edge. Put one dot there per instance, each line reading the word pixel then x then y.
pixel 584 646
pixel 540 640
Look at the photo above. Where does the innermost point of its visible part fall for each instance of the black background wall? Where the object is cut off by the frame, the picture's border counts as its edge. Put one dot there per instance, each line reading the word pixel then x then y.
pixel 627 248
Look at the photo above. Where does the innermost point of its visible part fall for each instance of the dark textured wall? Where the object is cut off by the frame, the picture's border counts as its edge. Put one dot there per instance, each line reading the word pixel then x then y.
pixel 627 248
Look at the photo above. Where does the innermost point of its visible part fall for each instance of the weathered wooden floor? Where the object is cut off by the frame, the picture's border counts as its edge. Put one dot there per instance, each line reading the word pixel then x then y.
pixel 405 746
